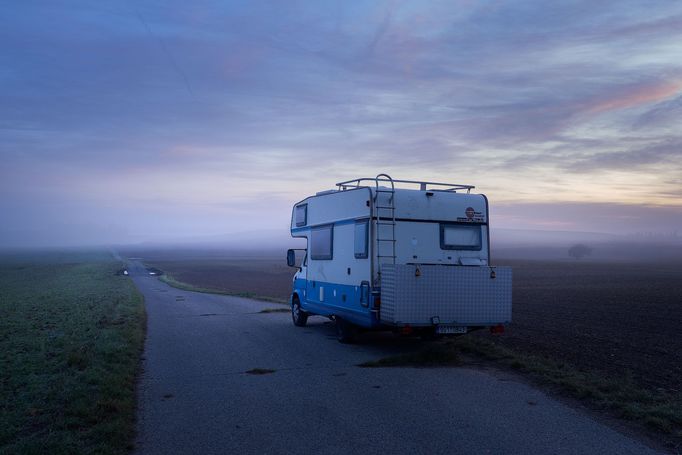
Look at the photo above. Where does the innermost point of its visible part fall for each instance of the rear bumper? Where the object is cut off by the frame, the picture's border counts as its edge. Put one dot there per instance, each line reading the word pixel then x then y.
pixel 427 295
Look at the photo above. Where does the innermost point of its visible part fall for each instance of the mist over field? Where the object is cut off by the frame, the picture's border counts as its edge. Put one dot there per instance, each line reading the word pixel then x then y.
pixel 518 231
pixel 505 244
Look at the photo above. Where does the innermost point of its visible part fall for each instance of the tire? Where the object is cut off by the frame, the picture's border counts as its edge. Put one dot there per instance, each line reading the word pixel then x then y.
pixel 345 331
pixel 299 316
pixel 430 335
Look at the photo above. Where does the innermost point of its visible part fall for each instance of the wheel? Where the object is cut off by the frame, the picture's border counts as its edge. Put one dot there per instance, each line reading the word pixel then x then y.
pixel 345 331
pixel 430 334
pixel 299 316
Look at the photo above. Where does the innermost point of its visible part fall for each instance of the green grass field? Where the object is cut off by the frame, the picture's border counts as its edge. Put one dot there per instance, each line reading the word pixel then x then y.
pixel 71 335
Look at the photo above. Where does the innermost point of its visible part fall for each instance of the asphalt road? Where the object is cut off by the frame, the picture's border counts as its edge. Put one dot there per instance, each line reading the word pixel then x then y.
pixel 196 397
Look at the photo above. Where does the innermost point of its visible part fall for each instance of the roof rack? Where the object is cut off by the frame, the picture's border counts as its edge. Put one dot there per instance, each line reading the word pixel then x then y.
pixel 423 186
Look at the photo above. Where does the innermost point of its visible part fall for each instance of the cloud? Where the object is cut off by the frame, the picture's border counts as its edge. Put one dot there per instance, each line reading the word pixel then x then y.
pixel 666 152
pixel 633 96
pixel 118 105
pixel 664 114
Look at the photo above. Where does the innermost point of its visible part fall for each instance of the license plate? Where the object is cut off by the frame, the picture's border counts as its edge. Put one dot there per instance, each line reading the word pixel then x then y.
pixel 449 329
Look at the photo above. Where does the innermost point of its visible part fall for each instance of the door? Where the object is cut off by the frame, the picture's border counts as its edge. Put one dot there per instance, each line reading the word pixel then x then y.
pixel 301 280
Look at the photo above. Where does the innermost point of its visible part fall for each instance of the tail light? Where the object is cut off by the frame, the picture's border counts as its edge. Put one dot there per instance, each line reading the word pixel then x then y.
pixel 497 329
pixel 407 330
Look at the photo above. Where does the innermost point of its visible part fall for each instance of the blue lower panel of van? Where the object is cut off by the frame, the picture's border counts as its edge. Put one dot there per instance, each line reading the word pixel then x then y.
pixel 345 301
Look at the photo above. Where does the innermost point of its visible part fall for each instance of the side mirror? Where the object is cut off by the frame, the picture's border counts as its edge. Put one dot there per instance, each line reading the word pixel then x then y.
pixel 291 258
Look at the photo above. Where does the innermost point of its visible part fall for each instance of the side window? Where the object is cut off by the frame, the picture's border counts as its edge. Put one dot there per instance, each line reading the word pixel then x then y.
pixel 322 242
pixel 301 215
pixel 460 237
pixel 361 237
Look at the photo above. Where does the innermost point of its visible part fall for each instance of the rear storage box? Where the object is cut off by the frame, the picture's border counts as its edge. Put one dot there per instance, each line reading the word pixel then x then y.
pixel 428 294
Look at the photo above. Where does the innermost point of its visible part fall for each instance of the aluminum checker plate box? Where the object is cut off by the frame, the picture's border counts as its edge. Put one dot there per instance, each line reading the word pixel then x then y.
pixel 454 295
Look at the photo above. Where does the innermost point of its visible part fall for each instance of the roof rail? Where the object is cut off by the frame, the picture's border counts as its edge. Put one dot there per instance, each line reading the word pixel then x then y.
pixel 423 186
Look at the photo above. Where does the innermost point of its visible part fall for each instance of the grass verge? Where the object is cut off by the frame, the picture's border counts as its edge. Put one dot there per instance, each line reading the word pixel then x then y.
pixel 71 337
pixel 658 412
pixel 169 280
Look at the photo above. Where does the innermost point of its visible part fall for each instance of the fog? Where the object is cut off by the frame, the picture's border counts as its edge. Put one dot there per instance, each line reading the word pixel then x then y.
pixel 506 244
pixel 517 227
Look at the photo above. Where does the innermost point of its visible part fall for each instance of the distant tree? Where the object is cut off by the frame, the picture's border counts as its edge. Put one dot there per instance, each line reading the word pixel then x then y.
pixel 579 251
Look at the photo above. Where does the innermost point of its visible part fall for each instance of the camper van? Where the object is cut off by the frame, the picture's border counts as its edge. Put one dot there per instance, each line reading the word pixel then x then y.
pixel 409 256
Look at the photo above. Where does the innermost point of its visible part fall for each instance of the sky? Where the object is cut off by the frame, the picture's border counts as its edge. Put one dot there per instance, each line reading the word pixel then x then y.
pixel 136 121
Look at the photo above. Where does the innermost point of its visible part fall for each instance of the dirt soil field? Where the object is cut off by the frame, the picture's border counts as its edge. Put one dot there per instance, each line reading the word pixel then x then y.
pixel 255 273
pixel 618 319
pixel 621 319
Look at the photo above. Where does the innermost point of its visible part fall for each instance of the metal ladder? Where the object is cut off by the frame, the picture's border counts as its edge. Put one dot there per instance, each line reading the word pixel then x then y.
pixel 384 211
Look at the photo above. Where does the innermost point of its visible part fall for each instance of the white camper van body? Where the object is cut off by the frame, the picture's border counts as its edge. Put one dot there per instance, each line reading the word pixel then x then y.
pixel 380 256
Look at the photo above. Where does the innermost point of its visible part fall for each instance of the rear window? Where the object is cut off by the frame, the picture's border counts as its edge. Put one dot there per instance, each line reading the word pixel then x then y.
pixel 460 237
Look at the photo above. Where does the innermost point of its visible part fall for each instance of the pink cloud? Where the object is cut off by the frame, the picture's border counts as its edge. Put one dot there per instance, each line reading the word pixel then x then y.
pixel 635 96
